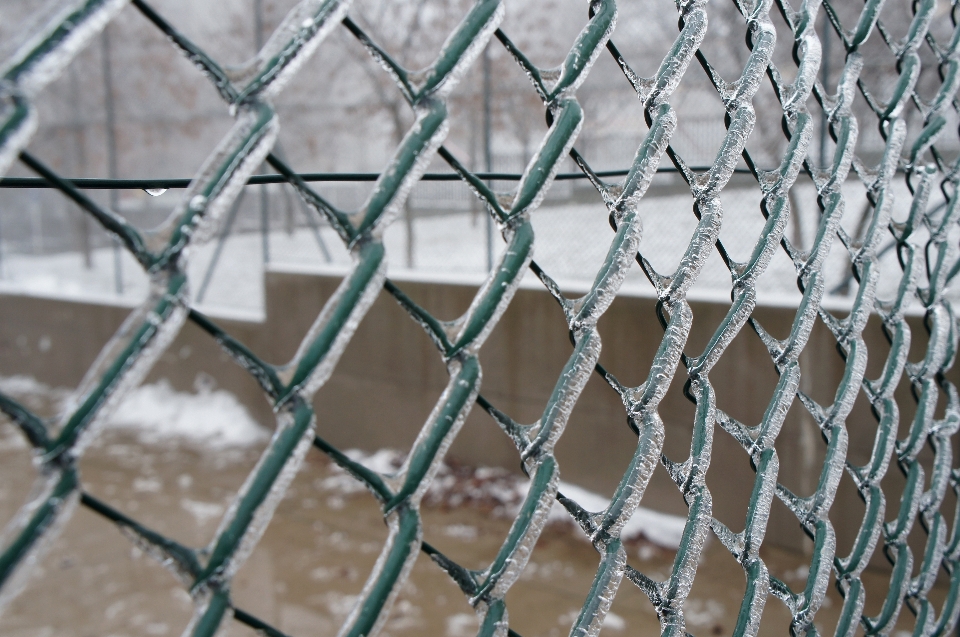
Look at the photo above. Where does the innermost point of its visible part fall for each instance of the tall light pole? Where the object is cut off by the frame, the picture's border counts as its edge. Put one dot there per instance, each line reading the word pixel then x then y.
pixel 487 155
pixel 111 135
pixel 824 79
pixel 264 195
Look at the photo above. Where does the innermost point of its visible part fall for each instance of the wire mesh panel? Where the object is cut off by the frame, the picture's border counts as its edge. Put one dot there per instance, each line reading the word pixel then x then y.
pixel 914 110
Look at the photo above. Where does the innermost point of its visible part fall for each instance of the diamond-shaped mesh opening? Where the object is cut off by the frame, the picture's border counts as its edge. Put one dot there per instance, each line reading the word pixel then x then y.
pixel 743 220
pixel 313 120
pixel 700 128
pixel 629 357
pixel 598 416
pixel 767 143
pixel 667 226
pixel 614 125
pixel 713 610
pixel 800 442
pixel 549 28
pixel 729 507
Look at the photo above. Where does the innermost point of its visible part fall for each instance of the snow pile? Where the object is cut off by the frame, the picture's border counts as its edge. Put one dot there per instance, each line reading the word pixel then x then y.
pixel 503 492
pixel 212 418
pixel 662 529
pixel 42 399
pixel 22 385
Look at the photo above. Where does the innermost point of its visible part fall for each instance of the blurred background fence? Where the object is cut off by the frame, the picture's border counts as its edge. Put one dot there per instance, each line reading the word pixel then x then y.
pixel 130 106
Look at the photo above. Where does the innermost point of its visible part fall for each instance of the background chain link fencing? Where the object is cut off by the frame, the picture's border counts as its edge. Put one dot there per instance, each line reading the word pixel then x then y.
pixel 924 229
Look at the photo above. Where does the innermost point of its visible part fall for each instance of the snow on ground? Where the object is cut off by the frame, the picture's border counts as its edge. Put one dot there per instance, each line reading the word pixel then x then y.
pixel 503 492
pixel 65 276
pixel 572 241
pixel 211 419
pixel 214 420
pixel 235 289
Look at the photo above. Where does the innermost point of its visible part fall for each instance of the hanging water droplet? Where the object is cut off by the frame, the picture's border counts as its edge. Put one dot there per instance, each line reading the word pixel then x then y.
pixel 154 192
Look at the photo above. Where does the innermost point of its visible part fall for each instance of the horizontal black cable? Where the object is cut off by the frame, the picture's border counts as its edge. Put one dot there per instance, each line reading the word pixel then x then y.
pixel 168 184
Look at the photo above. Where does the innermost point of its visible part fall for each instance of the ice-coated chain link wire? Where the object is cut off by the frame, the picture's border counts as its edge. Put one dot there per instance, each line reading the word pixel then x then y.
pixel 926 275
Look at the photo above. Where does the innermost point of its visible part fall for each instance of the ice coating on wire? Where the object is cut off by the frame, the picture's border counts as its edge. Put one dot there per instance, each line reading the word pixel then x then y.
pixel 927 272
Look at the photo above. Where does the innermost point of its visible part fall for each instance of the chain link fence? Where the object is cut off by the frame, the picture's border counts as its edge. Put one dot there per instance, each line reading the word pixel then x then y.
pixel 908 231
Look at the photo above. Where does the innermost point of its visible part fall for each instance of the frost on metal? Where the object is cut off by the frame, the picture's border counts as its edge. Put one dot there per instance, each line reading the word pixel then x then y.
pixel 925 240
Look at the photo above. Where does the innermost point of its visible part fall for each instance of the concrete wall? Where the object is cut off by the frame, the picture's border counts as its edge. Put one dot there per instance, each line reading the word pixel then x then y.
pixel 391 375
